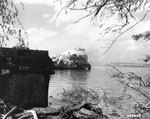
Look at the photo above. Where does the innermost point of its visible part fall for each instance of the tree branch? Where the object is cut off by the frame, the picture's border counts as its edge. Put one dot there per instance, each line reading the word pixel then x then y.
pixel 126 31
pixel 100 7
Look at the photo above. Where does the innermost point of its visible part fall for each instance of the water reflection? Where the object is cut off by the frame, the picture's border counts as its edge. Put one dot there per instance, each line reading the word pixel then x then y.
pixel 95 79
pixel 80 76
pixel 65 79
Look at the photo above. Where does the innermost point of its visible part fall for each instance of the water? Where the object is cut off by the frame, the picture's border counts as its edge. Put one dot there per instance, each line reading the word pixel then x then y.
pixel 97 78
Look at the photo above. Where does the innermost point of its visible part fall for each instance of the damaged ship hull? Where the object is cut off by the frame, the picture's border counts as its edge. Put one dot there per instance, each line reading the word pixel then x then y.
pixel 24 76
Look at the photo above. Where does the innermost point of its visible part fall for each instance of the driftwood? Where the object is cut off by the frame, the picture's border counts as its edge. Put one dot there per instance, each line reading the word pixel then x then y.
pixel 49 113
pixel 40 112
pixel 67 112
pixel 9 113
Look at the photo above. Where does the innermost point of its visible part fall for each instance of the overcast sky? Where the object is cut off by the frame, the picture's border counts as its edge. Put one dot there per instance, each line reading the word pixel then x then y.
pixel 62 35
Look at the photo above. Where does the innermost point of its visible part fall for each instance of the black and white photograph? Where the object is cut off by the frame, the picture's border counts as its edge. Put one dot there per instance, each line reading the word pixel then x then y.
pixel 74 59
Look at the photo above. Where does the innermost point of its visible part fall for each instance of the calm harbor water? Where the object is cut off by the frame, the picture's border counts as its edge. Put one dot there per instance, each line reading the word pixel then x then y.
pixel 97 78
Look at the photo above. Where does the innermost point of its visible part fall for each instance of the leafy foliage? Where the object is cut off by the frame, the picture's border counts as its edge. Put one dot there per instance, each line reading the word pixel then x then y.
pixel 9 21
pixel 77 95
pixel 136 87
pixel 110 15
pixel 145 36
pixel 112 105
pixel 123 10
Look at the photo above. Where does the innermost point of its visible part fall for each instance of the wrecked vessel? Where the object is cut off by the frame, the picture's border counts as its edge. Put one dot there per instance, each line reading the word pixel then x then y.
pixel 24 76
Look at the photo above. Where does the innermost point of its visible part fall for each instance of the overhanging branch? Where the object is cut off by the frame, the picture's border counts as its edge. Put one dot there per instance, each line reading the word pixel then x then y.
pixel 113 42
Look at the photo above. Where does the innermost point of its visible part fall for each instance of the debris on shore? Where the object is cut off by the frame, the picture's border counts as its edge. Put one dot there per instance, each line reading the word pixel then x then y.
pixel 81 111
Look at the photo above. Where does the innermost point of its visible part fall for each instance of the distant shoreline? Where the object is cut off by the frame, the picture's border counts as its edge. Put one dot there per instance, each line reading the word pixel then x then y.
pixel 130 65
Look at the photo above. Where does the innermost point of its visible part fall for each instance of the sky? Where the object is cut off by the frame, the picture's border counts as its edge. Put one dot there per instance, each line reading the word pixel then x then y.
pixel 38 18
